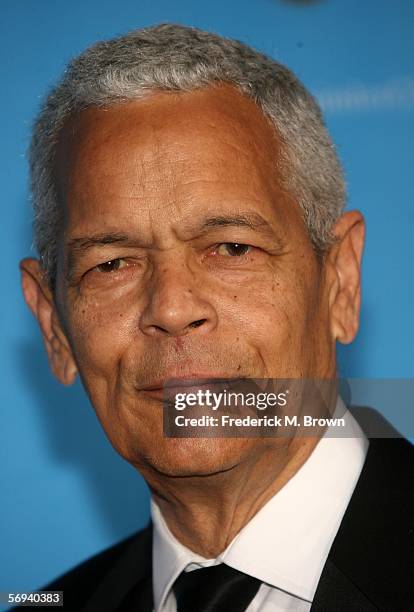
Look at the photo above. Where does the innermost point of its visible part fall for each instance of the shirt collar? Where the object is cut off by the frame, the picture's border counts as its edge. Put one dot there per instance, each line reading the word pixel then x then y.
pixel 287 542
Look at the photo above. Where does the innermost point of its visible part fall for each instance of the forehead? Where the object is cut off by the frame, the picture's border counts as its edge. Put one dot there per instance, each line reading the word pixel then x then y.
pixel 183 150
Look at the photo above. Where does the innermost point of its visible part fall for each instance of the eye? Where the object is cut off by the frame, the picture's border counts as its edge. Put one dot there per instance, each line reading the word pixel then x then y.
pixel 111 266
pixel 233 249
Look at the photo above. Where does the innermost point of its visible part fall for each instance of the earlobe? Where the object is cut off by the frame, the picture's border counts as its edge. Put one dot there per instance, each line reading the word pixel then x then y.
pixel 345 284
pixel 40 300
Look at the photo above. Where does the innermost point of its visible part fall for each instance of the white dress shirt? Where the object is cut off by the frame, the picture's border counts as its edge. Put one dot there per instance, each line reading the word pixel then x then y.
pixel 286 544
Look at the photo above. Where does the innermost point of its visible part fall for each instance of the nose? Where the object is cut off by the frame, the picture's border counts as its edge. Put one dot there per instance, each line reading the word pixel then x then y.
pixel 176 304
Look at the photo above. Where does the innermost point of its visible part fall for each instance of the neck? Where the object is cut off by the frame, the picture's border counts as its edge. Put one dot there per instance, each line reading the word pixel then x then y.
pixel 206 512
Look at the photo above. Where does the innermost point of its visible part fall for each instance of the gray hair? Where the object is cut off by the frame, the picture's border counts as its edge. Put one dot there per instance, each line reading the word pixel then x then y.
pixel 172 57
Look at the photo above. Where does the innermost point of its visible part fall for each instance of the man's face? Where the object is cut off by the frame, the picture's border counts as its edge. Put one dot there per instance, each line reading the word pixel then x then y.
pixel 182 256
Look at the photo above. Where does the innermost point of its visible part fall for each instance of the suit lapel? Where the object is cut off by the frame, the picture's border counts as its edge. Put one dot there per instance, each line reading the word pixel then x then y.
pixel 336 592
pixel 128 584
pixel 370 564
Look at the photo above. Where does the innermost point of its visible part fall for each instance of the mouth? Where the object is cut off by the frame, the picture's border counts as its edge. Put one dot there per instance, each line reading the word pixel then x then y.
pixel 167 388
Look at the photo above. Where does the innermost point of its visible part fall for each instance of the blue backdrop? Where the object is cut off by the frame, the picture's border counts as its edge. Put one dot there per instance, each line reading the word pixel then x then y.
pixel 65 493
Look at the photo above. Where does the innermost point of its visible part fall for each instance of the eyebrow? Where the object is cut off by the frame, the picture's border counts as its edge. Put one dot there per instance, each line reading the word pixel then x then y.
pixel 84 243
pixel 251 220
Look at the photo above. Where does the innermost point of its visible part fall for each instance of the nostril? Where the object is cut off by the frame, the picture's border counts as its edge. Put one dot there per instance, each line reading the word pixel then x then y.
pixel 197 323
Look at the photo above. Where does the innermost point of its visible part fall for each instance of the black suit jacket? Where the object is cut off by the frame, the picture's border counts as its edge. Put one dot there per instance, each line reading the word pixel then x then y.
pixel 370 565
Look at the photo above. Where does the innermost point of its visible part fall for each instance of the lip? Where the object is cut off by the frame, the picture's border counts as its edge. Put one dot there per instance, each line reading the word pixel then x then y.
pixel 169 386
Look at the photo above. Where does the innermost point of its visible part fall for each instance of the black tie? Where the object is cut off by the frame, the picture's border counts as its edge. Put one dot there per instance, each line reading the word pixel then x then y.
pixel 218 588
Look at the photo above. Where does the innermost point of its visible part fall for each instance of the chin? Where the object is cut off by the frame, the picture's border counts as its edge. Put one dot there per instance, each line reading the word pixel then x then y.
pixel 181 457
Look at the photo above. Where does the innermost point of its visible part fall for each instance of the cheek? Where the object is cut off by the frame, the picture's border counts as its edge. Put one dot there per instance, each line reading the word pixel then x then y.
pixel 100 334
pixel 276 321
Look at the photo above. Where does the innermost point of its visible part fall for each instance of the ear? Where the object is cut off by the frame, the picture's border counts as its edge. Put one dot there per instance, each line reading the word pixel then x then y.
pixel 344 272
pixel 40 300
